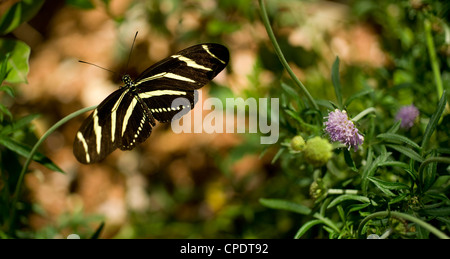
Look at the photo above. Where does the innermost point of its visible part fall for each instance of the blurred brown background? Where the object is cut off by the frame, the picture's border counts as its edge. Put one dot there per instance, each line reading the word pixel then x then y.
pixel 173 185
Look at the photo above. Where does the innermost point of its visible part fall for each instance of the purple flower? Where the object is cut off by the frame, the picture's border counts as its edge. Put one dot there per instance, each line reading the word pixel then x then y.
pixel 341 129
pixel 407 114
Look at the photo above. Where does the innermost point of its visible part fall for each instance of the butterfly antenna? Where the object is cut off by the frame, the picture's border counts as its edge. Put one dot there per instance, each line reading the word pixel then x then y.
pixel 81 61
pixel 131 50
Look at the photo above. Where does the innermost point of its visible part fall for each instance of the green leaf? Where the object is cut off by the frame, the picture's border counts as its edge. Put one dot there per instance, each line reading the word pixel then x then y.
pixel 216 27
pixel 294 115
pixel 386 186
pixel 370 169
pixel 336 82
pixel 19 13
pixel 437 212
pixel 98 231
pixel 395 127
pixel 398 138
pixel 285 205
pixel 394 163
pixel 4 111
pixel 349 160
pixel 20 123
pixel 24 151
pixel 106 2
pixel 82 4
pixel 7 90
pixel 346 197
pixel 4 68
pixel 357 207
pixel 289 90
pixel 428 176
pixel 277 155
pixel 399 198
pixel 17 64
pixel 431 126
pixel 407 152
pixel 305 227
pixel 357 95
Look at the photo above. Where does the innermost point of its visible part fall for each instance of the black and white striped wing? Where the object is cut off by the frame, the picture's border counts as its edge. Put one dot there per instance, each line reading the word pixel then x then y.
pixel 118 122
pixel 125 118
pixel 178 76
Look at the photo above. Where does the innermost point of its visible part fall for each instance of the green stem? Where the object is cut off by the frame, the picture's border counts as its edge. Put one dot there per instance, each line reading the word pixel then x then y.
pixel 266 22
pixel 363 113
pixel 408 217
pixel 433 58
pixel 33 151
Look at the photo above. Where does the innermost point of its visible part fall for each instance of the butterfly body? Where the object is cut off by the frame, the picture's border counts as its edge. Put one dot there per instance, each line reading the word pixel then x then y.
pixel 126 117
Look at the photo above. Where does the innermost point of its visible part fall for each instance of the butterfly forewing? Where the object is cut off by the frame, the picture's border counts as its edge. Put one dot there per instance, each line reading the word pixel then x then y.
pixel 164 91
pixel 185 71
pixel 190 68
pixel 94 140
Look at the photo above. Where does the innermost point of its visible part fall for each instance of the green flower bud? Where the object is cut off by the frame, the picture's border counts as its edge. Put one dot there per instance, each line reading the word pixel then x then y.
pixel 317 189
pixel 317 151
pixel 297 143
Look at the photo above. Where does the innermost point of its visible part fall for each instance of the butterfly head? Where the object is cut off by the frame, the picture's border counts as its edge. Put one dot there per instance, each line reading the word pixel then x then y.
pixel 126 79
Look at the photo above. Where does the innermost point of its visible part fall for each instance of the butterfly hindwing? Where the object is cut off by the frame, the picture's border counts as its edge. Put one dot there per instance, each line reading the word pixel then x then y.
pixel 135 125
pixel 164 91
pixel 166 101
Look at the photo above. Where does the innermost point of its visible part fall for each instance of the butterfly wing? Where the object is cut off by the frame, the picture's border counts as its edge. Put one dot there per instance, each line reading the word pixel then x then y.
pixel 125 118
pixel 177 77
pixel 117 122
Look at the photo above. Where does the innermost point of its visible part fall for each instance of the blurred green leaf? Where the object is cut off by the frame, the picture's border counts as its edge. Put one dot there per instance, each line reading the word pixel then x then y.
pixel 4 111
pixel 289 90
pixel 357 95
pixel 4 68
pixel 97 233
pixel 437 212
pixel 24 151
pixel 398 138
pixel 7 90
pixel 407 152
pixel 395 127
pixel 16 125
pixel 17 64
pixel 83 4
pixel 349 160
pixel 19 13
pixel 217 27
pixel 285 205
pixel 431 126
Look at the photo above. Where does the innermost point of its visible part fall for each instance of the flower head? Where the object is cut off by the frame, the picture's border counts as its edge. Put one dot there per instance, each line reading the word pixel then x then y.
pixel 407 114
pixel 341 129
pixel 317 151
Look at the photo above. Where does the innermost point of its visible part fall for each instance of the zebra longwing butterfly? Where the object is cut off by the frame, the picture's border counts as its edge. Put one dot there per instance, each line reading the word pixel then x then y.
pixel 126 117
